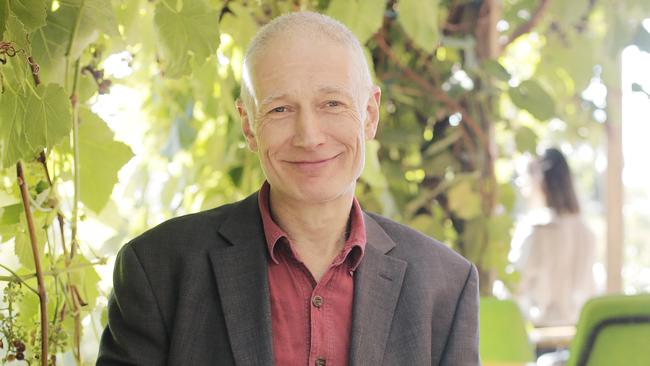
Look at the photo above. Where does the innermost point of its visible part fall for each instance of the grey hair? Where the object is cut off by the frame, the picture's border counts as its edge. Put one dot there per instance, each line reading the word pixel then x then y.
pixel 301 23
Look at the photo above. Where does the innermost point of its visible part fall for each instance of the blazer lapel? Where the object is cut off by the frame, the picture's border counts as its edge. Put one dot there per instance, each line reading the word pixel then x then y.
pixel 378 282
pixel 241 274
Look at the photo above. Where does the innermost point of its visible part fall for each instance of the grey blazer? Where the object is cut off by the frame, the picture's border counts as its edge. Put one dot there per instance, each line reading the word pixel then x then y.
pixel 194 291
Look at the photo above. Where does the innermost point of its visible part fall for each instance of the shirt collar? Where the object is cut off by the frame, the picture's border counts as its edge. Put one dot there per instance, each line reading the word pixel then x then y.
pixel 355 243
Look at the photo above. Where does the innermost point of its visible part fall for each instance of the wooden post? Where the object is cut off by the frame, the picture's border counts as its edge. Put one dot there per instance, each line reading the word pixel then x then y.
pixel 487 48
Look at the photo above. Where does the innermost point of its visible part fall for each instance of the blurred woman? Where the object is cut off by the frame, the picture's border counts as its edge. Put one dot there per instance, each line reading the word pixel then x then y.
pixel 556 249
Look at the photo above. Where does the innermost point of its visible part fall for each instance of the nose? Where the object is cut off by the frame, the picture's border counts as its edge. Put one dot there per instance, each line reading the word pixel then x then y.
pixel 308 130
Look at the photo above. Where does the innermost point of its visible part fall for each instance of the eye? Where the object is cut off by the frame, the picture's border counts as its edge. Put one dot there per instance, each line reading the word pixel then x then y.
pixel 333 103
pixel 279 109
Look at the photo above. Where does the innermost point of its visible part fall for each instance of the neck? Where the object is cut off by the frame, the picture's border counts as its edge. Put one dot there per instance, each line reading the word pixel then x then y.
pixel 316 228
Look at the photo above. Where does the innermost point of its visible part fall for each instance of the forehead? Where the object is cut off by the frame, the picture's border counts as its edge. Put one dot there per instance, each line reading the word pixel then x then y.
pixel 302 65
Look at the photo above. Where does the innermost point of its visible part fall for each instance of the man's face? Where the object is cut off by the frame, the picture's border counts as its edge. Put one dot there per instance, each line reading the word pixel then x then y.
pixel 311 119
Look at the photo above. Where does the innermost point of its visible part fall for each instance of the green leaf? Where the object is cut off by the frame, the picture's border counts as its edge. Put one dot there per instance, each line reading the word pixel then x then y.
pixel 23 250
pixel 86 87
pixel 100 158
pixel 15 33
pixel 526 139
pixel 530 95
pixel 86 281
pixel 372 170
pixel 440 163
pixel 104 316
pixel 23 244
pixel 495 69
pixel 136 26
pixel 239 23
pixel 235 174
pixel 496 255
pixel 4 13
pixel 96 15
pixel 567 13
pixel 32 122
pixel 444 143
pixel 363 17
pixel 51 43
pixel 474 237
pixel 16 73
pixel 10 215
pixel 31 13
pixel 28 309
pixel 638 88
pixel 570 52
pixel 428 225
pixel 48 116
pixel 464 201
pixel 181 135
pixel 13 142
pixel 192 31
pixel 507 196
pixel 419 18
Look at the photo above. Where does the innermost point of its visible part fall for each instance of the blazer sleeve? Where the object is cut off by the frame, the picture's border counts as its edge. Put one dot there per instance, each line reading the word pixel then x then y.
pixel 135 334
pixel 462 345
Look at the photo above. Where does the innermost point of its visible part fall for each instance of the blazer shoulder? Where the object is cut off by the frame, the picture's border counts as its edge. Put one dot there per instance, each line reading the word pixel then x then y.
pixel 185 233
pixel 412 244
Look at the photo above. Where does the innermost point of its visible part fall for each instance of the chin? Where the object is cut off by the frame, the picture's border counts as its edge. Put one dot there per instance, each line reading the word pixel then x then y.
pixel 314 188
pixel 323 192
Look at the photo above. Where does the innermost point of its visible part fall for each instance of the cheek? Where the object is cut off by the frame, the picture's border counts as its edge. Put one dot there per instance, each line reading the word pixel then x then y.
pixel 271 135
pixel 351 137
pixel 348 123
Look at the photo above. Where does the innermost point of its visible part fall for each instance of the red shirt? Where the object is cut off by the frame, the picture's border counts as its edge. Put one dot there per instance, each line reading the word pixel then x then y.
pixel 311 321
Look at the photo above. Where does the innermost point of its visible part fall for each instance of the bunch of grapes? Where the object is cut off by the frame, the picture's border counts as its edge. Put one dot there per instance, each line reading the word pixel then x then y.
pixel 16 350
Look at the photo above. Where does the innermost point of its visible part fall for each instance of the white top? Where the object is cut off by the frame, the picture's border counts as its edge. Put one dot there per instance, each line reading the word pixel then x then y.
pixel 555 261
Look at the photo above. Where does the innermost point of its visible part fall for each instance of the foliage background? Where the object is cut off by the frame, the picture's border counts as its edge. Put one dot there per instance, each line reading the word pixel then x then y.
pixel 144 91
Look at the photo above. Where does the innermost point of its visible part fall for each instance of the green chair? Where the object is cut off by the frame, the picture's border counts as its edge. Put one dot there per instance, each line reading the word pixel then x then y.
pixel 503 336
pixel 613 330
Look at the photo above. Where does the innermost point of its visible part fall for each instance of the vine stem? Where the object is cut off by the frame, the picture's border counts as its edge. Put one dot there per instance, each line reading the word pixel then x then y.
pixel 435 92
pixel 74 242
pixel 42 295
pixel 529 25
pixel 77 180
pixel 54 272
pixel 75 126
pixel 43 160
pixel 75 144
pixel 16 278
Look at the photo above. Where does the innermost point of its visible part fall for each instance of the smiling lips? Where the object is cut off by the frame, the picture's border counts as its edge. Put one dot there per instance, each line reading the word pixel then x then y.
pixel 312 165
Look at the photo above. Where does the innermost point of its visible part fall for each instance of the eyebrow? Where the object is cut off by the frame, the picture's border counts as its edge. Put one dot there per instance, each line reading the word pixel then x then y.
pixel 272 97
pixel 326 89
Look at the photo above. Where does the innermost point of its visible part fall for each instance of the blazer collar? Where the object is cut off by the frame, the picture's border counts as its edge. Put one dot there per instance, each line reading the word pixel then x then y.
pixel 241 274
pixel 377 285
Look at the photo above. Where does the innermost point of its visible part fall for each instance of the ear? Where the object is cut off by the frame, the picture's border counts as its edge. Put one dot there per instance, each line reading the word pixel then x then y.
pixel 246 127
pixel 372 113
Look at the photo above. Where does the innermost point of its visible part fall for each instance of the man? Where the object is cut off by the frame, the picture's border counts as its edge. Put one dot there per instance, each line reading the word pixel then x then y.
pixel 296 274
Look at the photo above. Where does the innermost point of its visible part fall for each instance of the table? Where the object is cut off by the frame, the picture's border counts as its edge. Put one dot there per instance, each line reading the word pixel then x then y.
pixel 552 337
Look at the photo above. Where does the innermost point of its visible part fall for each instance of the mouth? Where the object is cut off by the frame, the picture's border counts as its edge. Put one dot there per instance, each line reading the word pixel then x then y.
pixel 312 164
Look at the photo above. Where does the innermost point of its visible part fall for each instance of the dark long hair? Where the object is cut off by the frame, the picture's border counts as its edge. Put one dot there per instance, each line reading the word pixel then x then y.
pixel 557 183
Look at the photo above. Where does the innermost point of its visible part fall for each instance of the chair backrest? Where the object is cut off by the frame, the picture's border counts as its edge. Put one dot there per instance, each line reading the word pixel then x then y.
pixel 503 335
pixel 613 330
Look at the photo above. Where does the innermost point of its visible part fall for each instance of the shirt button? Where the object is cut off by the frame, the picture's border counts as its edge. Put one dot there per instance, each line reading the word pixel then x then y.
pixel 320 362
pixel 317 301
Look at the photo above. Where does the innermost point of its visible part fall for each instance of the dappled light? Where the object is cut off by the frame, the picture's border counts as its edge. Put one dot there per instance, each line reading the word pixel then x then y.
pixel 118 115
